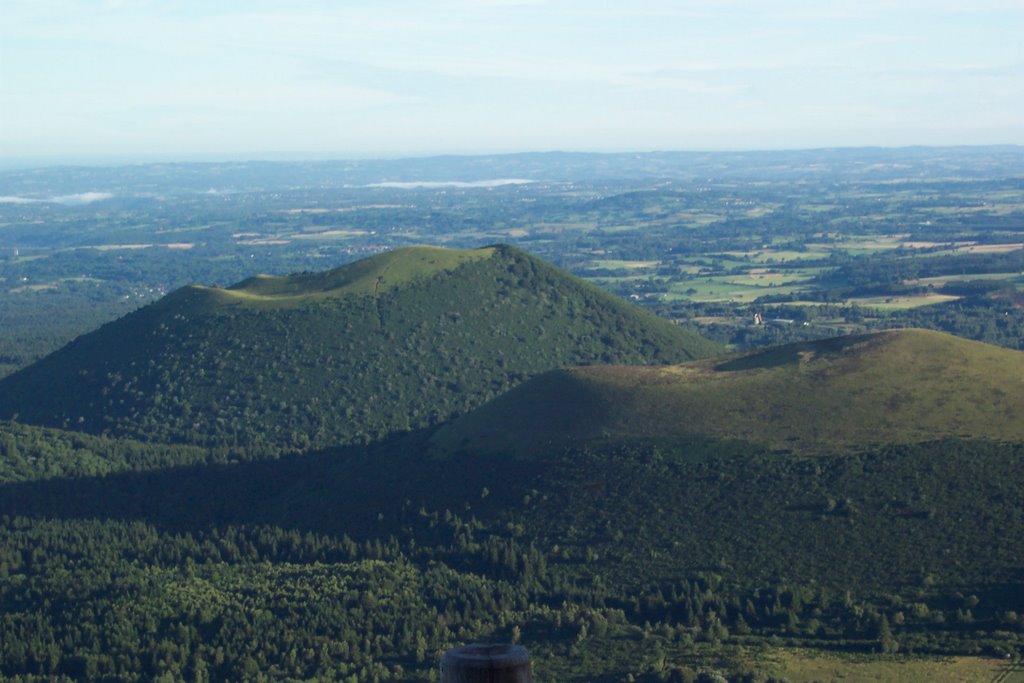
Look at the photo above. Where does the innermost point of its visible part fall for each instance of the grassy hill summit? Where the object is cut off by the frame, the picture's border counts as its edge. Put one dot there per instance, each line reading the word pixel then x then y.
pixel 855 392
pixel 401 340
pixel 373 275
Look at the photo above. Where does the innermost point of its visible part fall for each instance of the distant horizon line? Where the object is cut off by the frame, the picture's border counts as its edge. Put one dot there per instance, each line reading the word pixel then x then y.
pixel 28 163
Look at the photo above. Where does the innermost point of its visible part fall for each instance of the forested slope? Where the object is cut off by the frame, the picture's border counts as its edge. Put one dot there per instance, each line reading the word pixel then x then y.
pixel 397 342
pixel 364 564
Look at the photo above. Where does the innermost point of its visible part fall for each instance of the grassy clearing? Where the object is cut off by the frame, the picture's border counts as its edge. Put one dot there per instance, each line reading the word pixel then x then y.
pixel 619 280
pixel 694 218
pixel 958 248
pixel 799 665
pixel 614 263
pixel 992 248
pixel 861 243
pixel 867 246
pixel 265 242
pixel 330 234
pixel 780 255
pixel 728 288
pixel 900 303
pixel 569 226
pixel 941 280
pixel 114 247
pixel 762 277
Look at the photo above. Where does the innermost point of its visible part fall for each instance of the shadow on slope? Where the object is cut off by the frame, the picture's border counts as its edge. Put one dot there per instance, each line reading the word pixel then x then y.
pixel 348 489
pixel 631 514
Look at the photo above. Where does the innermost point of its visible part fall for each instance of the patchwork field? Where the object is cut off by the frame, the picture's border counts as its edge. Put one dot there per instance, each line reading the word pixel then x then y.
pixel 804 666
pixel 890 303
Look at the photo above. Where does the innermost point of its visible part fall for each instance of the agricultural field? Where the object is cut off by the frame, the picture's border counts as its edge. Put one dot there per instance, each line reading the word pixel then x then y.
pixel 826 243
pixel 798 666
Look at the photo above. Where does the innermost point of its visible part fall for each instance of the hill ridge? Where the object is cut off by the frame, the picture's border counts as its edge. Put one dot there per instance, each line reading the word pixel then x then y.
pixel 896 386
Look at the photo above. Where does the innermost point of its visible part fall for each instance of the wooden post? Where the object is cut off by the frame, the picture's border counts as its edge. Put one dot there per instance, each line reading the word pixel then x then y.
pixel 479 663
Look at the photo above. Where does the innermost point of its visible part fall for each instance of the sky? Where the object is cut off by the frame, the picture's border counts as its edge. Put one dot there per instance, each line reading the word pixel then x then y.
pixel 185 79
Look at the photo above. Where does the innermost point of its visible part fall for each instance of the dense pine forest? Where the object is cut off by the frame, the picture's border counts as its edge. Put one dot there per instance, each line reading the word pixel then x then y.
pixel 181 573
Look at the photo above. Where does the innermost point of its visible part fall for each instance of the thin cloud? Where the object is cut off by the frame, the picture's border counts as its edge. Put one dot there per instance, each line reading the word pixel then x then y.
pixel 81 198
pixel 78 199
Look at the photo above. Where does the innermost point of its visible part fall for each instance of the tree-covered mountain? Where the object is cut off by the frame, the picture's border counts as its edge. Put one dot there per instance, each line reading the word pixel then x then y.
pixel 399 341
pixel 844 393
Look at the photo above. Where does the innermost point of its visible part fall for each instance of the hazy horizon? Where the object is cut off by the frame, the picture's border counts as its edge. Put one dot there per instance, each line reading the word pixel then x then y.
pixel 115 81
pixel 28 163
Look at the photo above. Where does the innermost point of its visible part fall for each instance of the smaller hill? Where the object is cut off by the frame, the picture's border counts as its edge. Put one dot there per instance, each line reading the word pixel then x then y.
pixel 845 393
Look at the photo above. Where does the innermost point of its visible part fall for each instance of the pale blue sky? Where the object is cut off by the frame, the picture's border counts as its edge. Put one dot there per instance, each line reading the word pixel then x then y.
pixel 185 79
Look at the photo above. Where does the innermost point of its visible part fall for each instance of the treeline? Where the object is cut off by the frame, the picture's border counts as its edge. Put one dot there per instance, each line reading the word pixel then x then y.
pixel 871 275
pixel 987 313
pixel 994 320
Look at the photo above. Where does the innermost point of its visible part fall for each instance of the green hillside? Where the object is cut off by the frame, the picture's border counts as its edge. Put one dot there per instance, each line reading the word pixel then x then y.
pixel 845 393
pixel 399 341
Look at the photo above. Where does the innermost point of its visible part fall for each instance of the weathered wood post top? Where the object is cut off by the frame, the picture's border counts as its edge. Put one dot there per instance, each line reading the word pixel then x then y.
pixel 479 663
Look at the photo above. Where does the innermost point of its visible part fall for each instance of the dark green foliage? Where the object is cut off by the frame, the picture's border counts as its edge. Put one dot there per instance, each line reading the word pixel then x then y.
pixel 994 319
pixel 29 453
pixel 205 367
pixel 643 559
pixel 869 275
pixel 991 319
pixel 35 323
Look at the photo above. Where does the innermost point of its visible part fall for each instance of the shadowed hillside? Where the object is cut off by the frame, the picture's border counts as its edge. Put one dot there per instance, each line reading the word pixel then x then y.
pixel 836 394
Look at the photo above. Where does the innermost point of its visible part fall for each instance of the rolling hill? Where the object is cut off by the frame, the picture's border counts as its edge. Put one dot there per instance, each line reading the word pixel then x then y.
pixel 402 340
pixel 840 394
